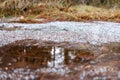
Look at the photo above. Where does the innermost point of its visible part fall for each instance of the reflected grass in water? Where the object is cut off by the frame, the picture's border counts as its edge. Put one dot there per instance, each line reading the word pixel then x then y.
pixel 42 57
pixel 60 59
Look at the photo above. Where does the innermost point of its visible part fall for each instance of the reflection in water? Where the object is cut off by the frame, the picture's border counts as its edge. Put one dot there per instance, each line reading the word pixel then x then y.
pixel 29 61
pixel 45 59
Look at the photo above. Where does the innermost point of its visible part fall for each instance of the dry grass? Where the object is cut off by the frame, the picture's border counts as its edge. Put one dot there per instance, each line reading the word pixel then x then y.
pixel 82 13
pixel 51 12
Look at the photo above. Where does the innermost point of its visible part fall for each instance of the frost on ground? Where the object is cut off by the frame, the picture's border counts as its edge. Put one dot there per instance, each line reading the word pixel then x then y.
pixel 93 32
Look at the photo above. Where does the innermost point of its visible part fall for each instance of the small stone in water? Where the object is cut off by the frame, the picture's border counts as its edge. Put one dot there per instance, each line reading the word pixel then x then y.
pixel 119 74
pixel 26 78
pixel 9 64
pixel 6 68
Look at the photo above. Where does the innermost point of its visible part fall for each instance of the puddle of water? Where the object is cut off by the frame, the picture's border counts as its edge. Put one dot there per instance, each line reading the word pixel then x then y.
pixel 42 57
pixel 21 59
pixel 31 59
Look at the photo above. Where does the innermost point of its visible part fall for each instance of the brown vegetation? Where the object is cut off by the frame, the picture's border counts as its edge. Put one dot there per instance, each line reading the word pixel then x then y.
pixel 57 11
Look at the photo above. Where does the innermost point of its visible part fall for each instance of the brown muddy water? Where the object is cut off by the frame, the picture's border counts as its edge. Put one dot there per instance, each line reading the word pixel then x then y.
pixel 30 58
pixel 60 51
pixel 41 60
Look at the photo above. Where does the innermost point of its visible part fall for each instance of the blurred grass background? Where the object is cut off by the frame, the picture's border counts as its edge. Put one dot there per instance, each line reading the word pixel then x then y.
pixel 72 10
